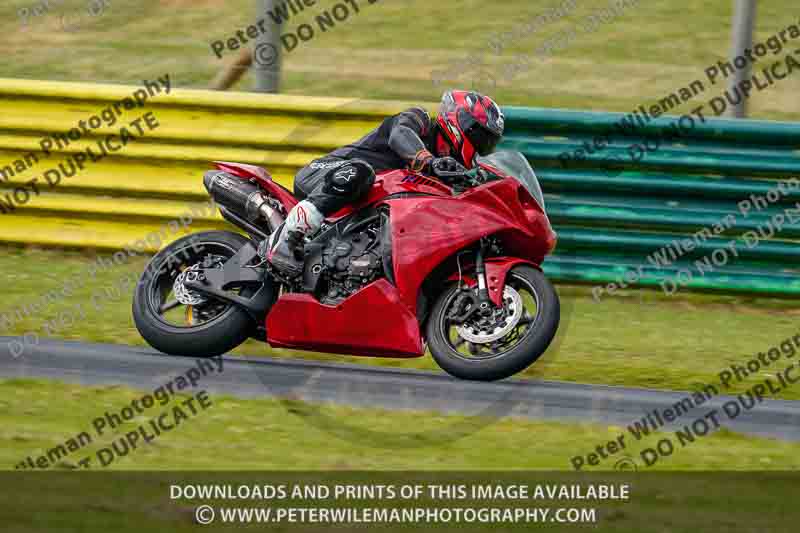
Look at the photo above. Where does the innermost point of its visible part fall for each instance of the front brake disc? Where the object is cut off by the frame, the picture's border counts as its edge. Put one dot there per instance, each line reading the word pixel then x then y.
pixel 513 308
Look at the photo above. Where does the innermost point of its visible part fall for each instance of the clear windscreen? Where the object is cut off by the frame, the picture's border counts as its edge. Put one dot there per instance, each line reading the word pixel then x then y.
pixel 515 165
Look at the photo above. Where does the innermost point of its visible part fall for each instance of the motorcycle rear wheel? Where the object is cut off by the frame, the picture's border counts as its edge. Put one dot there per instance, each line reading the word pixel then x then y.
pixel 490 349
pixel 212 327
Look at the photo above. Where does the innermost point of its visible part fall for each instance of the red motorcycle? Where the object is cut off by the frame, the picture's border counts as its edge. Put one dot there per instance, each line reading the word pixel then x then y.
pixel 416 264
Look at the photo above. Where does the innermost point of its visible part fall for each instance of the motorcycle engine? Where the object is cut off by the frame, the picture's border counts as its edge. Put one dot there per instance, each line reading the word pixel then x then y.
pixel 351 263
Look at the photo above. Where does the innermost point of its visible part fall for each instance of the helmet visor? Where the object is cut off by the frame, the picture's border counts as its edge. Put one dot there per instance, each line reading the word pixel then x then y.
pixel 482 139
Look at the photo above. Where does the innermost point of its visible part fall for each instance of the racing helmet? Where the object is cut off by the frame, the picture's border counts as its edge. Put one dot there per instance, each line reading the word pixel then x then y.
pixel 471 124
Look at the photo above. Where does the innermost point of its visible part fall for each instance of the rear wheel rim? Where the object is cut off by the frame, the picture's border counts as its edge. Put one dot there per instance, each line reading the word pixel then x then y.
pixel 161 298
pixel 523 327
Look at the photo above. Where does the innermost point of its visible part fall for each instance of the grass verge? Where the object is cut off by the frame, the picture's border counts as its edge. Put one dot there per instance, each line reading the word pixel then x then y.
pixel 245 435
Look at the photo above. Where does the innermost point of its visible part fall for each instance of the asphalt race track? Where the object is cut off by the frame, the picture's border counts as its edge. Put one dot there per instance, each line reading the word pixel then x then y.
pixel 380 387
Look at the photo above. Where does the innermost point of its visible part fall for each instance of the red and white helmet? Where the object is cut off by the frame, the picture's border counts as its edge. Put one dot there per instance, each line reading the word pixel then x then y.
pixel 471 124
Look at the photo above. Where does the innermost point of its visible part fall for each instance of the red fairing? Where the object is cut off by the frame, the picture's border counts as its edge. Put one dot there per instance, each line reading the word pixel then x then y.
pixel 428 230
pixel 531 213
pixel 263 178
pixel 432 225
pixel 428 227
pixel 300 321
pixel 497 268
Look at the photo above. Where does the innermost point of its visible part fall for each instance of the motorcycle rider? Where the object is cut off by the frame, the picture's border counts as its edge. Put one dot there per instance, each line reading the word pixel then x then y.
pixel 467 124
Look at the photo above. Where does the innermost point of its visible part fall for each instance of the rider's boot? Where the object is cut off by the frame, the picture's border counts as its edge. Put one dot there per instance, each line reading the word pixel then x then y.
pixel 286 243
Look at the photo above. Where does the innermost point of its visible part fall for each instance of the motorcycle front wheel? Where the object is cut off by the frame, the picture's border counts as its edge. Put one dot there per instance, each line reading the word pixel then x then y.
pixel 177 321
pixel 503 342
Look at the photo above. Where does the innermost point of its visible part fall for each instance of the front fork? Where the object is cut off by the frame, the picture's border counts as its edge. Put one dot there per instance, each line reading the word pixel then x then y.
pixel 484 302
pixel 470 300
pixel 485 292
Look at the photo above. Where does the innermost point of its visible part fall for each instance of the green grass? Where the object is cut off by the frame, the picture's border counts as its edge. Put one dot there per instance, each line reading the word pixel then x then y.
pixel 244 435
pixel 391 49
pixel 235 442
pixel 638 339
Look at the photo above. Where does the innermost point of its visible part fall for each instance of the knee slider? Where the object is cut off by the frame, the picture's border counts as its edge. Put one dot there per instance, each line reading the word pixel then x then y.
pixel 352 178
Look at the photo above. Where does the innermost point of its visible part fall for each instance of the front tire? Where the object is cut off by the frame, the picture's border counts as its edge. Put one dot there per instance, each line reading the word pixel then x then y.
pixel 497 347
pixel 212 327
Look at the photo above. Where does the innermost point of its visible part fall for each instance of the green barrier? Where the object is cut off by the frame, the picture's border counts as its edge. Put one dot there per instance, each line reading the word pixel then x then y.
pixel 572 123
pixel 617 194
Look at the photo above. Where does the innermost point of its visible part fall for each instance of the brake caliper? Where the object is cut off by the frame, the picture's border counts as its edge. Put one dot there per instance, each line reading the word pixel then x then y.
pixel 466 303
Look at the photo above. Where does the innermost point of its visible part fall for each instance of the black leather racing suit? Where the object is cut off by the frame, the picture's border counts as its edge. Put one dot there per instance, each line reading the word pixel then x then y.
pixel 407 139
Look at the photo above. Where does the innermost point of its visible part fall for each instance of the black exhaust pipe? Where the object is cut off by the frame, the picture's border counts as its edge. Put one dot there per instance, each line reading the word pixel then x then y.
pixel 242 198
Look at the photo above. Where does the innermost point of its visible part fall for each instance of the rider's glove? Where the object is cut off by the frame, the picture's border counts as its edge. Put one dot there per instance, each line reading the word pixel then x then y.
pixel 421 161
pixel 445 164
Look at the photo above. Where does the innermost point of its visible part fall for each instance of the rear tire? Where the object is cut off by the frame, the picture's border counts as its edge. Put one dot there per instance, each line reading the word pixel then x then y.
pixel 219 335
pixel 508 360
